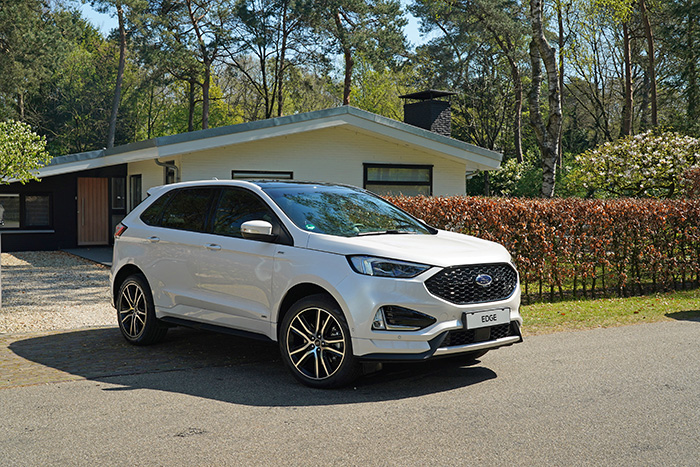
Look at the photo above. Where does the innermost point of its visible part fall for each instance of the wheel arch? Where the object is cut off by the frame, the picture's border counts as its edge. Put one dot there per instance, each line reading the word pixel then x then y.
pixel 119 278
pixel 300 291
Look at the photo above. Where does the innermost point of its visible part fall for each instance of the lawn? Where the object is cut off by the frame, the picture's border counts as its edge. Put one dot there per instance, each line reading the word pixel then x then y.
pixel 544 318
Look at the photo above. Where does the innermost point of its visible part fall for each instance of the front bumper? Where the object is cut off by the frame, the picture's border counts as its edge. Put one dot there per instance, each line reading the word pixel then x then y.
pixel 442 344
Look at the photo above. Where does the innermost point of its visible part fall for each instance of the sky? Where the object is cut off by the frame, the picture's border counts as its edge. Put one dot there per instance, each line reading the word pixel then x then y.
pixel 106 23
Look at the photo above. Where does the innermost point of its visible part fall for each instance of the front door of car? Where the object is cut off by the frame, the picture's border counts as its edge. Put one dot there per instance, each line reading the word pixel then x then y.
pixel 235 274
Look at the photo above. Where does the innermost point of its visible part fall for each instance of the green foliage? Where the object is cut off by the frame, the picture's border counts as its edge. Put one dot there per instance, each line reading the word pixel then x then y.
pixel 646 165
pixel 22 152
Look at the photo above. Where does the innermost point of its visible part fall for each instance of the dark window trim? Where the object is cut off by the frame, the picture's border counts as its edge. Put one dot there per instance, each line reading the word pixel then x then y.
pixel 240 174
pixel 367 166
pixel 284 236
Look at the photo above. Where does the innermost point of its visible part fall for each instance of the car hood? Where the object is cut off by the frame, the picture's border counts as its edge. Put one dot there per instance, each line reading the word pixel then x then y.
pixel 442 249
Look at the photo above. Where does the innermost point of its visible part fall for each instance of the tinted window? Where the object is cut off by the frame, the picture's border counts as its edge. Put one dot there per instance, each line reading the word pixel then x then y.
pixel 236 207
pixel 151 215
pixel 187 210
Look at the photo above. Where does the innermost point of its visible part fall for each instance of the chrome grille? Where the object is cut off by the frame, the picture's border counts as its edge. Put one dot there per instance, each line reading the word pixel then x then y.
pixel 459 284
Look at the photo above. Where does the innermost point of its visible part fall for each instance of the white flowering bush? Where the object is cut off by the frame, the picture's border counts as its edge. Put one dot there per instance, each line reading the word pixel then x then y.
pixel 649 164
pixel 22 152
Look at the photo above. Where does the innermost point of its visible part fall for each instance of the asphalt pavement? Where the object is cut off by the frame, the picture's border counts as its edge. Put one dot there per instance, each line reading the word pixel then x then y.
pixel 619 396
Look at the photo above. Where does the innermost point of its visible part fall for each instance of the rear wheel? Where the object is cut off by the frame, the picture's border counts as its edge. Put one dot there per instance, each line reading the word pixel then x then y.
pixel 136 312
pixel 315 343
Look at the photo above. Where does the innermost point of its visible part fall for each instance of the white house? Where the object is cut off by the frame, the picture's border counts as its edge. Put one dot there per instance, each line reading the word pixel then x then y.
pixel 83 196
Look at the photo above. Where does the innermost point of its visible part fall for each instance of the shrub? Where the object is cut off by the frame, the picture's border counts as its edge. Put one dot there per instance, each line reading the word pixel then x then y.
pixel 645 165
pixel 580 247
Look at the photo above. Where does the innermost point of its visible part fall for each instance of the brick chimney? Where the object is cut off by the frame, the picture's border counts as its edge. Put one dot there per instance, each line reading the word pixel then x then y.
pixel 429 112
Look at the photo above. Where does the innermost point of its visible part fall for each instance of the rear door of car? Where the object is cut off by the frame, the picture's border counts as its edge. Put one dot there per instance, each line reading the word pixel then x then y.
pixel 173 247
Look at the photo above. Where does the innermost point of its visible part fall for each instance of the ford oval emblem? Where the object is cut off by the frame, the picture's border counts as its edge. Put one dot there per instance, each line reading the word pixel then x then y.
pixel 484 280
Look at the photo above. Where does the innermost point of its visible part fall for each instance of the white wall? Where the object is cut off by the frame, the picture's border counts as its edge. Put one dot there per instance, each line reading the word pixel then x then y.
pixel 329 155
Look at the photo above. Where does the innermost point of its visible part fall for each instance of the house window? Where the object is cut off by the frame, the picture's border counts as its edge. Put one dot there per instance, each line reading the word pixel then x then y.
pixel 118 193
pixel 37 211
pixel 261 175
pixel 399 179
pixel 9 211
pixel 169 173
pixel 134 191
pixel 25 211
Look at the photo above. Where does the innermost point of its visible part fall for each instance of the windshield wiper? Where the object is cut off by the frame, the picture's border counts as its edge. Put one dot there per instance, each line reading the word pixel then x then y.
pixel 384 232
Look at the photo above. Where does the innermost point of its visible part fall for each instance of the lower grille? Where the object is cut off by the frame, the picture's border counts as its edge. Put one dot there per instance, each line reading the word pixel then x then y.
pixel 473 336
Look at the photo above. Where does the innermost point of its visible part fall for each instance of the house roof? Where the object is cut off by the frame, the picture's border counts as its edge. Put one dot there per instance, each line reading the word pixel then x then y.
pixel 345 116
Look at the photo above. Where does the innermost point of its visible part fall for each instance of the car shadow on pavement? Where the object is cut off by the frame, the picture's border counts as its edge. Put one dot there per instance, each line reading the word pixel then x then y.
pixel 689 315
pixel 220 367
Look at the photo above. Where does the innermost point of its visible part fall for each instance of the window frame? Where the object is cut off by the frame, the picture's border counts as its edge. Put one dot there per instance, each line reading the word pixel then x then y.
pixel 373 165
pixel 133 202
pixel 23 212
pixel 262 175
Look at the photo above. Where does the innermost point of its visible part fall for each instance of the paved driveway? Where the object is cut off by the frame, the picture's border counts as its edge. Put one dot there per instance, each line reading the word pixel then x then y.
pixel 621 396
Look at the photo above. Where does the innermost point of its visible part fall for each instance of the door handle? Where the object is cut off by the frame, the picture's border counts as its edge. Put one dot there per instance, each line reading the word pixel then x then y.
pixel 213 247
pixel 153 239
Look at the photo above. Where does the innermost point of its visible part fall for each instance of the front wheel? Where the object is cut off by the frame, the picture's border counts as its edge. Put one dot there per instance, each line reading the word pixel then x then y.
pixel 315 343
pixel 136 312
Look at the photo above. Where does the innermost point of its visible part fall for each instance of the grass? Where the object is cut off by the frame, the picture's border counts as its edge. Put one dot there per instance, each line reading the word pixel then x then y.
pixel 545 318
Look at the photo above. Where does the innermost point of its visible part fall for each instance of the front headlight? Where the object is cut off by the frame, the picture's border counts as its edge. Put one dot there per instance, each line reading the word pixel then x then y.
pixel 382 267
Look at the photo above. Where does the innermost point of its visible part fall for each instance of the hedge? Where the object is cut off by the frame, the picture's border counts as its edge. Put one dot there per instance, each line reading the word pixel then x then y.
pixel 579 247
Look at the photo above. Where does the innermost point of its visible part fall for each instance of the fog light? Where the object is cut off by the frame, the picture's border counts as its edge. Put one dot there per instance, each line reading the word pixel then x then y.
pixel 397 318
pixel 378 323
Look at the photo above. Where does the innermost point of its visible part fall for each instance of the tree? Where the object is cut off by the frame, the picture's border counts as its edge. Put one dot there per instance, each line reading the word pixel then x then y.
pixel 479 54
pixel 187 38
pixel 372 28
pixel 122 8
pixel 22 152
pixel 268 38
pixel 547 134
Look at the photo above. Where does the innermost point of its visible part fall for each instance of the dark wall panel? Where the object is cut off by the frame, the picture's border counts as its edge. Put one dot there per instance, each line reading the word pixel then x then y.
pixel 63 191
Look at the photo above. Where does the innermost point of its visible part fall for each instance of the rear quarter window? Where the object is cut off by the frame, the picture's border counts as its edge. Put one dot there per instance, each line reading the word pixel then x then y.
pixel 152 214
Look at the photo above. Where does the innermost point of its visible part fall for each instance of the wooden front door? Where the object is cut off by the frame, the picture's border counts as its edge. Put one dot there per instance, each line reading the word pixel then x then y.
pixel 93 211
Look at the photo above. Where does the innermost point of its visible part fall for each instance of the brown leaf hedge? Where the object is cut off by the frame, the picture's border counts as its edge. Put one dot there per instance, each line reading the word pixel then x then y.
pixel 577 247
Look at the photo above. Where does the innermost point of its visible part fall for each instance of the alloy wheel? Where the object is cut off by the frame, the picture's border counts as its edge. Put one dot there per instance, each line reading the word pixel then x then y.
pixel 315 343
pixel 132 310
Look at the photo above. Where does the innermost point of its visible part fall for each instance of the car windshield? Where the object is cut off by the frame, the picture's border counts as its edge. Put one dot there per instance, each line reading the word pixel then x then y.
pixel 342 211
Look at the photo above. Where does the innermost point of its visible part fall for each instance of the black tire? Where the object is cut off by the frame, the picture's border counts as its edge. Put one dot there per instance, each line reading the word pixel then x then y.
pixel 315 343
pixel 136 313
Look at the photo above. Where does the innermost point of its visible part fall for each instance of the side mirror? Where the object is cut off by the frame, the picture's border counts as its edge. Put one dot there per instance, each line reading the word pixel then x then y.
pixel 258 230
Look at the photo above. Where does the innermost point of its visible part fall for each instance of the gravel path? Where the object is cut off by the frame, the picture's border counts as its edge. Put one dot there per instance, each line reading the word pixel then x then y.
pixel 50 291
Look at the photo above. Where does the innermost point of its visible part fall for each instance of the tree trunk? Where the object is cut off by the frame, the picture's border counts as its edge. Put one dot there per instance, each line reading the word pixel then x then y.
pixel 192 101
pixel 517 111
pixel 547 135
pixel 560 21
pixel 281 65
pixel 205 94
pixel 120 77
pixel 626 128
pixel 347 86
pixel 652 61
pixel 692 89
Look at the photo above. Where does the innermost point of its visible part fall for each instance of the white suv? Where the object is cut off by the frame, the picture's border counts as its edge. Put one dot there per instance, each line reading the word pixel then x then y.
pixel 335 274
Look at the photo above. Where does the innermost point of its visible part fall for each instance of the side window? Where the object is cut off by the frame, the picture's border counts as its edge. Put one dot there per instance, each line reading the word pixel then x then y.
pixel 187 210
pixel 237 206
pixel 151 215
